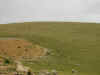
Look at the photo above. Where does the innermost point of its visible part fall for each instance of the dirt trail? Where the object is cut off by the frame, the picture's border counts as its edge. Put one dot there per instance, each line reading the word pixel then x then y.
pixel 21 67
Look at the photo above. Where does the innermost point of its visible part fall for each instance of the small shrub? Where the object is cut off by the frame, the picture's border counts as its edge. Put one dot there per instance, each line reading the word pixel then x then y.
pixel 6 61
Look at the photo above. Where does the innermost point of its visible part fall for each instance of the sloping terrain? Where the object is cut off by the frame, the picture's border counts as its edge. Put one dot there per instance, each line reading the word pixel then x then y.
pixel 69 44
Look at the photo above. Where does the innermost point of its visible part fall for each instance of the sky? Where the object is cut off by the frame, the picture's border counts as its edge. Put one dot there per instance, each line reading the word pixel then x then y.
pixel 49 10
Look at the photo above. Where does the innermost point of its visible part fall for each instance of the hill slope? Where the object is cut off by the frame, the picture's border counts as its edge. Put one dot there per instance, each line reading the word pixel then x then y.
pixel 69 43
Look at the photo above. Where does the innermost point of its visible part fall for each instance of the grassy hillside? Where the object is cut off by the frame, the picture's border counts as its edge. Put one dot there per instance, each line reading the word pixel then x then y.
pixel 69 44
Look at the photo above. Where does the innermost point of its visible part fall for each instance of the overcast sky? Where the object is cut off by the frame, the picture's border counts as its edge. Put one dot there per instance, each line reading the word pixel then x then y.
pixel 49 10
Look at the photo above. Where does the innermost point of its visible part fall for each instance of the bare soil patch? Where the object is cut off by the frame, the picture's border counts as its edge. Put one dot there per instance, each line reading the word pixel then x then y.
pixel 17 48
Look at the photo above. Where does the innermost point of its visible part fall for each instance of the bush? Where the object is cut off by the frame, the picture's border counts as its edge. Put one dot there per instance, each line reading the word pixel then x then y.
pixel 6 61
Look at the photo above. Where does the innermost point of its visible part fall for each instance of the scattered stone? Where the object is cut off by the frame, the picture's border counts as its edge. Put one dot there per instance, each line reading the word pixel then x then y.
pixel 77 64
pixel 54 72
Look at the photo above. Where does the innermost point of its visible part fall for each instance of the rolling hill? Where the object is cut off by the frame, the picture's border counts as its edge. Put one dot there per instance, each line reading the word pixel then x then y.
pixel 69 44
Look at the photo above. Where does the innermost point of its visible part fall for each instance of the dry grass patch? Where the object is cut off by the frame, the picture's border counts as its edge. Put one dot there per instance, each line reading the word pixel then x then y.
pixel 17 48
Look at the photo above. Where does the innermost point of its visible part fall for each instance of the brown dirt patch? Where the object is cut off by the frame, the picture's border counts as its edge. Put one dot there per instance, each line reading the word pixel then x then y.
pixel 17 48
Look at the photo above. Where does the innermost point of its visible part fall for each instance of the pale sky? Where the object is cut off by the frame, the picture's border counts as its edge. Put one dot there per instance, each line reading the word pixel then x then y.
pixel 49 10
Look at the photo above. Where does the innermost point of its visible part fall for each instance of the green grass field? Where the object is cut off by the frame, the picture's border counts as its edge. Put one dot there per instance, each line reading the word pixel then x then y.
pixel 69 44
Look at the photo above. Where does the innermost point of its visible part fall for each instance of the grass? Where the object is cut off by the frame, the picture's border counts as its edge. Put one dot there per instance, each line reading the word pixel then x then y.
pixel 69 44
